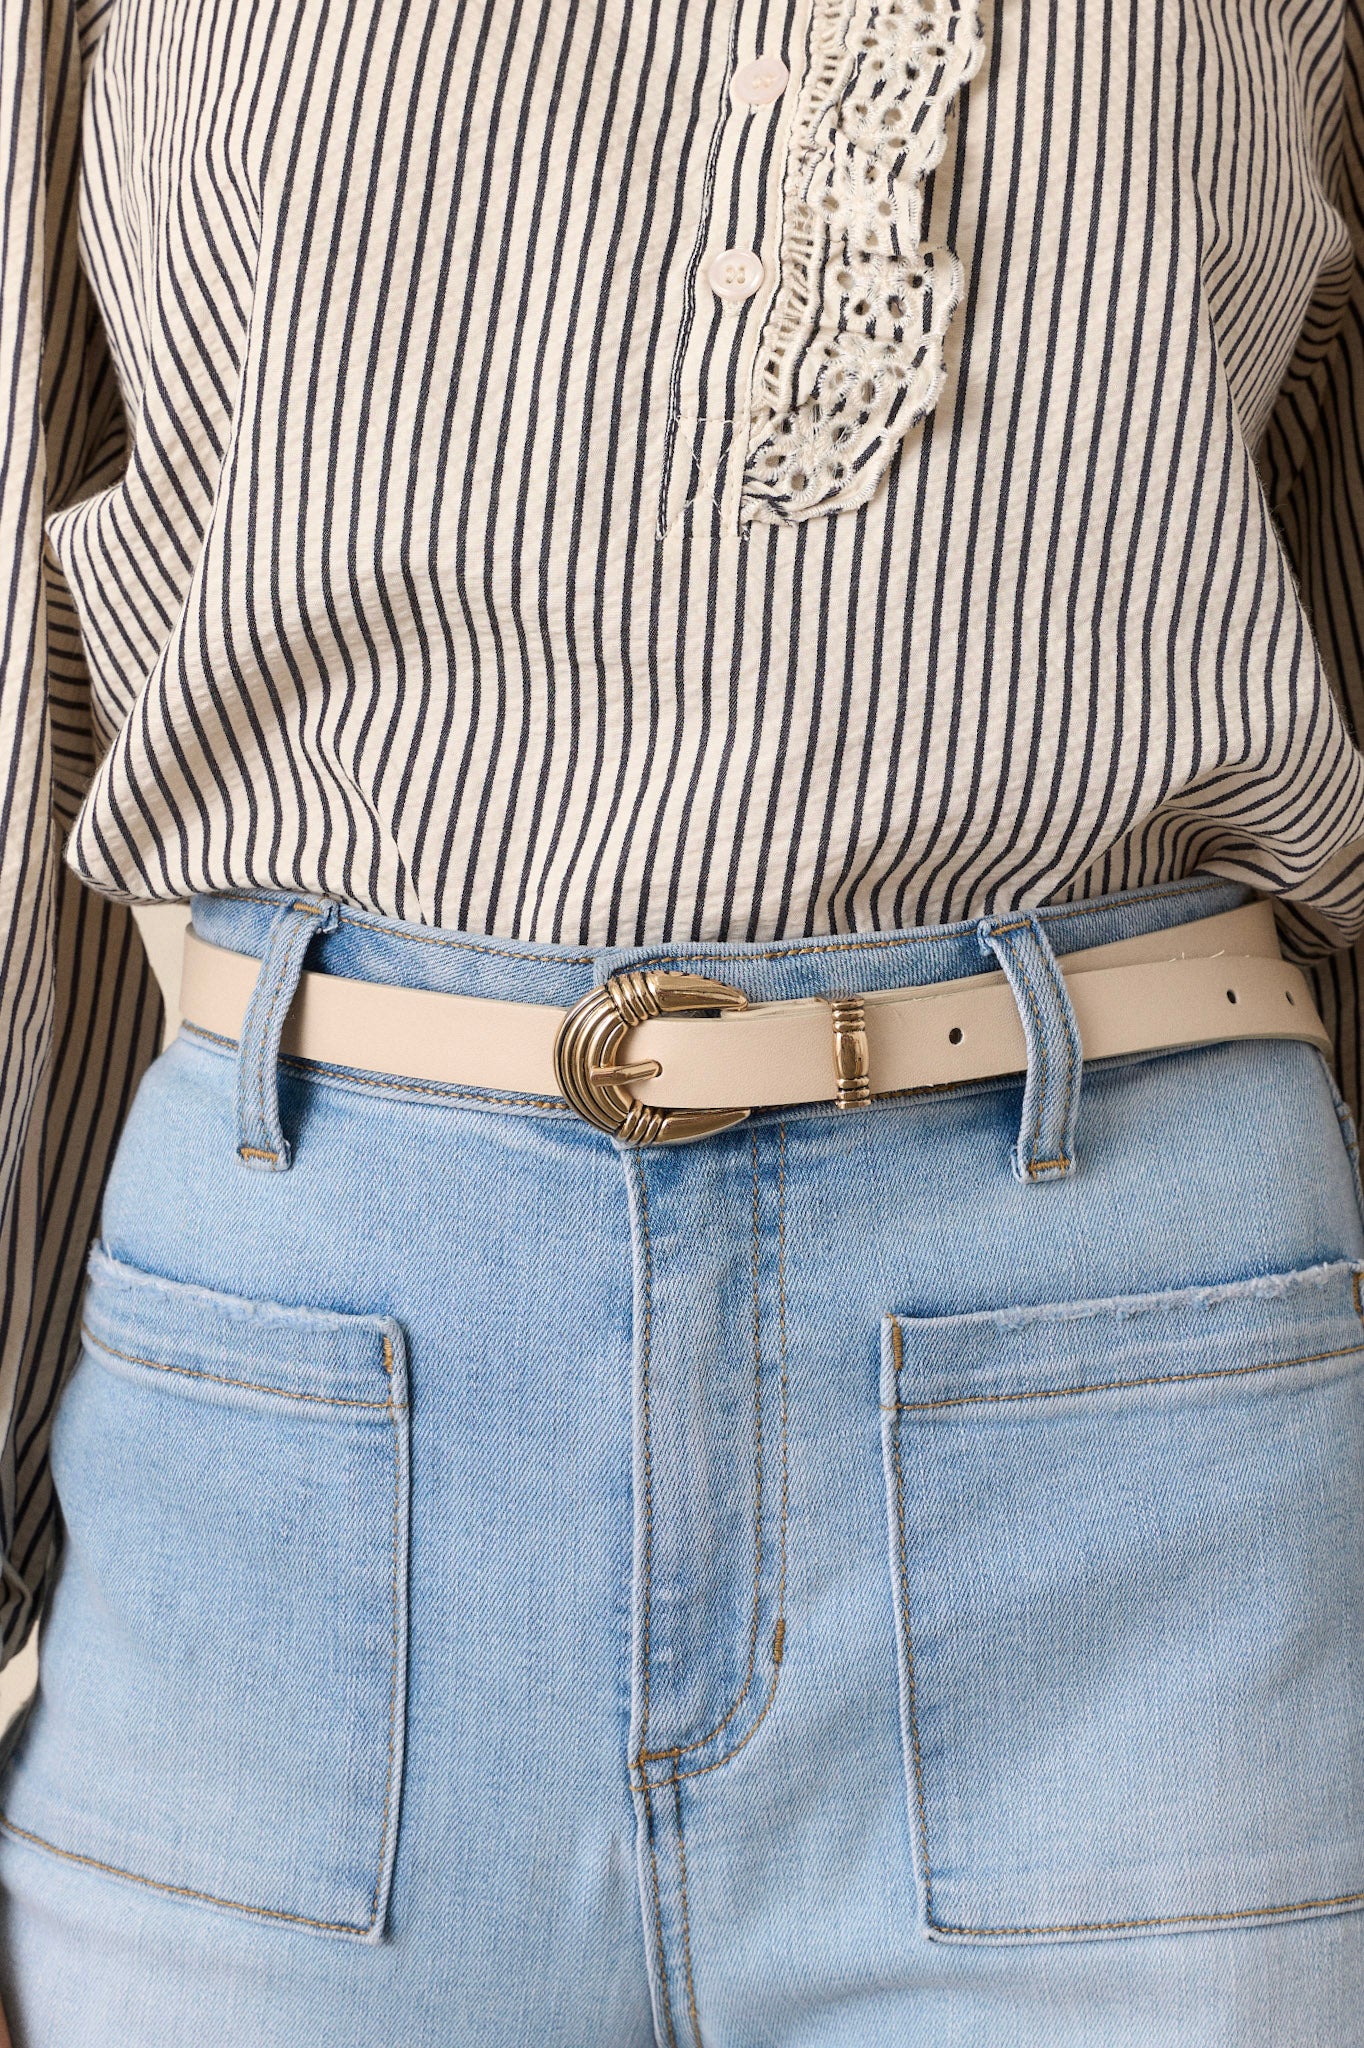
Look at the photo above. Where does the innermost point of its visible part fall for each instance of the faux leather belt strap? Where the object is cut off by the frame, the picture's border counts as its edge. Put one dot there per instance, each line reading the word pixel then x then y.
pixel 1218 978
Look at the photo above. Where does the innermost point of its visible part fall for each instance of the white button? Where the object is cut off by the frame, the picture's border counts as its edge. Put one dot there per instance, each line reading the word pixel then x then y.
pixel 758 83
pixel 735 274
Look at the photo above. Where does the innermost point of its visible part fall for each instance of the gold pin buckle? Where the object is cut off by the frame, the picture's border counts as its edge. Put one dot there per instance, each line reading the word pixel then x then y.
pixel 590 1036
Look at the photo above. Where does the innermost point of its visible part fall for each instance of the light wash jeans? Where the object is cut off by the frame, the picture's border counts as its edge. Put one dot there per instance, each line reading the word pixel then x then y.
pixel 873 1579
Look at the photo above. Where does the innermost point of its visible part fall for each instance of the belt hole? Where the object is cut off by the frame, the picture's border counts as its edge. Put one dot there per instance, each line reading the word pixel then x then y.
pixel 1289 993
pixel 954 1036
pixel 1231 995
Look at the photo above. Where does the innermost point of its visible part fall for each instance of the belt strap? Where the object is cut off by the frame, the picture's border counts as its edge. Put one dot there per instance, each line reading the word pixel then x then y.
pixel 1216 979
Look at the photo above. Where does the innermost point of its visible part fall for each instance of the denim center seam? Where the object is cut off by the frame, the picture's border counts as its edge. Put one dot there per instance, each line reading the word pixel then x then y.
pixel 686 1915
pixel 644 1757
pixel 684 1748
pixel 675 1754
pixel 779 1629
pixel 646 1431
pixel 660 1943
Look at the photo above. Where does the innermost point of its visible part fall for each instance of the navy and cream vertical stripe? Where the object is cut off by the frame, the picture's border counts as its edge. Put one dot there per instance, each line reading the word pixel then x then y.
pixel 519 468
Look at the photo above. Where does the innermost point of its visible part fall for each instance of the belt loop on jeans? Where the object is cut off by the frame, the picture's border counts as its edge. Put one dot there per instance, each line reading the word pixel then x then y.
pixel 260 1135
pixel 1051 1091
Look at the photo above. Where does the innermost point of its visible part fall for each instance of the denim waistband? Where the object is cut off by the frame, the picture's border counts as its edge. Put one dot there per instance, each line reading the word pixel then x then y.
pixel 367 947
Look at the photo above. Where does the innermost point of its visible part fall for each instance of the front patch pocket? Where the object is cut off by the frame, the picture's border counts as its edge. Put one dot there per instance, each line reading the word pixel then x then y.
pixel 220 1712
pixel 1127 1546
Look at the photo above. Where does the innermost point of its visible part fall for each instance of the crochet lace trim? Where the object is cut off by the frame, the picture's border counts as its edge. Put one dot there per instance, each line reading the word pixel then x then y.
pixel 851 356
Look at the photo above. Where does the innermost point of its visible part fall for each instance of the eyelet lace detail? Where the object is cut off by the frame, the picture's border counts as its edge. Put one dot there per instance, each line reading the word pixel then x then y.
pixel 852 351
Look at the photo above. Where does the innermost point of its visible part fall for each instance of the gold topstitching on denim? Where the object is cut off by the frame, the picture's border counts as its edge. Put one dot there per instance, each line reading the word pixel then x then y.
pixel 1036 1165
pixel 393 1413
pixel 683 1749
pixel 855 942
pixel 375 922
pixel 192 1372
pixel 1161 1379
pixel 1159 1920
pixel 911 1690
pixel 446 1091
pixel 282 977
pixel 686 1916
pixel 867 942
pixel 675 1754
pixel 658 1919
pixel 450 1091
pixel 1081 1926
pixel 646 1346
pixel 701 1770
pixel 181 1891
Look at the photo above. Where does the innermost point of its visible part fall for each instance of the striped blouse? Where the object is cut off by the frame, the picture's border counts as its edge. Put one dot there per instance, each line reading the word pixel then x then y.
pixel 595 470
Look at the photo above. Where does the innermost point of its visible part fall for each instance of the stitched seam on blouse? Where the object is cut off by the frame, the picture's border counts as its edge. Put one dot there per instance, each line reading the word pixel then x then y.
pixel 676 413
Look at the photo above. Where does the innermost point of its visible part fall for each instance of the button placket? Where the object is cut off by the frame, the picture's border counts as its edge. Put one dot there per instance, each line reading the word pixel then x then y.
pixel 736 274
pixel 730 288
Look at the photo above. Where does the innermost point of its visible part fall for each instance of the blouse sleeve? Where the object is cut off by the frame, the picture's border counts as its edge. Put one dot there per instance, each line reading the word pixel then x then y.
pixel 1312 464
pixel 80 1014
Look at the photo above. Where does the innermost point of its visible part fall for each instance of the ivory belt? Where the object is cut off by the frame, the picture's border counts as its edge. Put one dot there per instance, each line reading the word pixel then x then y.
pixel 657 1056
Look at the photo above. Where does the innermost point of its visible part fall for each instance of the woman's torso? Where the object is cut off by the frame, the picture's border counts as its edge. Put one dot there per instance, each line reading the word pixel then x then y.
pixel 464 568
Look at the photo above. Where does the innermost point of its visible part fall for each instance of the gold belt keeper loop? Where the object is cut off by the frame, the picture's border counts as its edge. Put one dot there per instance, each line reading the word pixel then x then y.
pixel 852 1060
